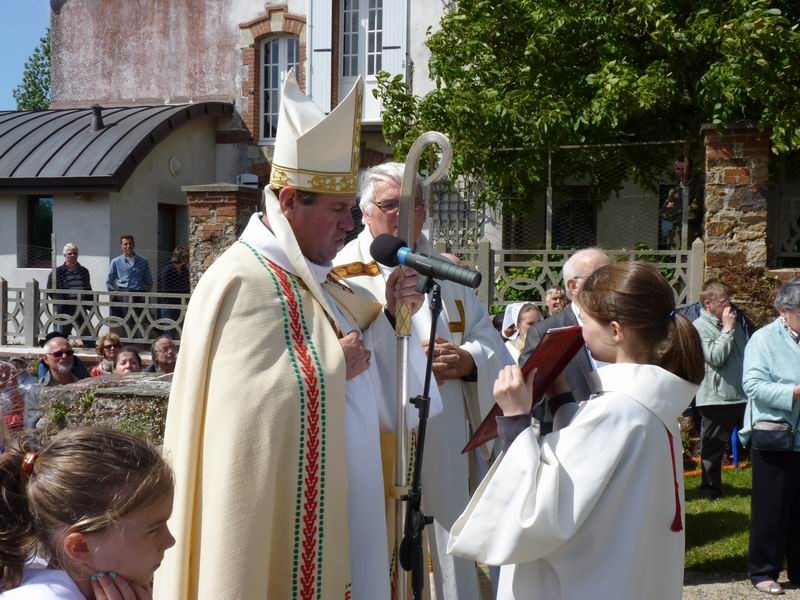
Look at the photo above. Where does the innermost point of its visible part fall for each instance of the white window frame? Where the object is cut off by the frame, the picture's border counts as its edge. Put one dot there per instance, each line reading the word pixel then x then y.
pixel 268 119
pixel 368 35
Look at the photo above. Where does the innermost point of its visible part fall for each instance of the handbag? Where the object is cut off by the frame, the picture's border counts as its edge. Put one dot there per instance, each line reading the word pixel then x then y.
pixel 772 436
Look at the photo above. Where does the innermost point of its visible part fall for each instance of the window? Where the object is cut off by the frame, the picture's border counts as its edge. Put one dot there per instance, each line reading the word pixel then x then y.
pixel 574 217
pixel 374 35
pixel 278 56
pixel 362 38
pixel 35 251
pixel 350 38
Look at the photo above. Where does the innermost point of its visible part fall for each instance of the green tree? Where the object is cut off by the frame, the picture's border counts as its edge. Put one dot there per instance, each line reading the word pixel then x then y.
pixel 34 91
pixel 514 77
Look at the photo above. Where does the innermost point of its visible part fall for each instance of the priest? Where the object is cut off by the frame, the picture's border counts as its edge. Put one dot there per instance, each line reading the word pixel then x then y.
pixel 468 355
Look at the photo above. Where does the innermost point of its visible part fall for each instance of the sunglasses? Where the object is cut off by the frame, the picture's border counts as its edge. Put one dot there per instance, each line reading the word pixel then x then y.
pixel 110 346
pixel 60 353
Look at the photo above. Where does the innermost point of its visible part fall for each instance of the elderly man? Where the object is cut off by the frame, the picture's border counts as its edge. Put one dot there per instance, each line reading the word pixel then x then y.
pixel 555 300
pixel 468 355
pixel 164 354
pixel 720 399
pixel 279 394
pixel 59 358
pixel 74 277
pixel 580 370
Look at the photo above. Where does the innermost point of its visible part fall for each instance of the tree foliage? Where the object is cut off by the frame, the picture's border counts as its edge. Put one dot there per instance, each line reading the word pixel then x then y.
pixel 514 77
pixel 34 91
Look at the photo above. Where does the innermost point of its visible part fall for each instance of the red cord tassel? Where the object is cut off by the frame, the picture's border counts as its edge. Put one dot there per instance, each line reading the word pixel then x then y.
pixel 677 525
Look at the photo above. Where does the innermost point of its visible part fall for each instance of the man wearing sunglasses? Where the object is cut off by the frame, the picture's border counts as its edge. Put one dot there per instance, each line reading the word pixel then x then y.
pixel 59 358
pixel 57 366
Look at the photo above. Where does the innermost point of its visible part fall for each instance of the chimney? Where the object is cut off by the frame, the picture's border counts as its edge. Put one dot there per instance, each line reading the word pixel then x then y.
pixel 97 118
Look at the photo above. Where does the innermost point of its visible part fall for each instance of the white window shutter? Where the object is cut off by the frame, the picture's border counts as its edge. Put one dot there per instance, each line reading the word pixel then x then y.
pixel 394 36
pixel 319 57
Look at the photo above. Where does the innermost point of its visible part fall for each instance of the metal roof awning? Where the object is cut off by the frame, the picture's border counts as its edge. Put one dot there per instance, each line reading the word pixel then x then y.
pixel 73 150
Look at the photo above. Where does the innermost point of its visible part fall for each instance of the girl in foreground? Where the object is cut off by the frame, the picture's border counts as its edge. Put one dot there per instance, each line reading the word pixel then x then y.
pixel 595 509
pixel 85 519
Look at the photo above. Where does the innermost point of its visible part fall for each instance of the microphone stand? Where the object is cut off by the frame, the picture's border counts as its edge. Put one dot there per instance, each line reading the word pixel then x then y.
pixel 411 558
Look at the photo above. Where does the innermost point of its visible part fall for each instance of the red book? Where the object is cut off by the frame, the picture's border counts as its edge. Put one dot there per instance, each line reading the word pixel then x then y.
pixel 550 357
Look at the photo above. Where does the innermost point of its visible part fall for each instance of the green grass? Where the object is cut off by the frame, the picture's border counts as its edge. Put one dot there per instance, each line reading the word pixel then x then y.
pixel 717 531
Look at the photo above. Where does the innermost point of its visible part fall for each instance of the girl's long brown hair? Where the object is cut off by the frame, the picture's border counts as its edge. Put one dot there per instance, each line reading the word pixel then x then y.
pixel 640 299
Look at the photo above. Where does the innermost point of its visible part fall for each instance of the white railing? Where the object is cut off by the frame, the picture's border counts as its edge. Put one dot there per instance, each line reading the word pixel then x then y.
pixel 527 274
pixel 29 313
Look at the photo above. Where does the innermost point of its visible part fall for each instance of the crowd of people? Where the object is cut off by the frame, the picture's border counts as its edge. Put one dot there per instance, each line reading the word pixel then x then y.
pixel 128 274
pixel 59 365
pixel 277 474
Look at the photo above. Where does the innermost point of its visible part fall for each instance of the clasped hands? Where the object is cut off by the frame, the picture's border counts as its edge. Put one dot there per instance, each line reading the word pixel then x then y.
pixel 449 361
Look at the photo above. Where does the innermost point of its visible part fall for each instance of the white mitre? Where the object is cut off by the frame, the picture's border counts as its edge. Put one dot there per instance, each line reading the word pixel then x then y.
pixel 315 152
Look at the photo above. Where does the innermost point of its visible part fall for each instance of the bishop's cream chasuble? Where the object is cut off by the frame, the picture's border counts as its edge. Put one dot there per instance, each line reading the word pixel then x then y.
pixel 279 486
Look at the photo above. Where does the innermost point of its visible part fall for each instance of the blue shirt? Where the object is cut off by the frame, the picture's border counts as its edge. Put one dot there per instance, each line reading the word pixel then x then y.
pixel 130 277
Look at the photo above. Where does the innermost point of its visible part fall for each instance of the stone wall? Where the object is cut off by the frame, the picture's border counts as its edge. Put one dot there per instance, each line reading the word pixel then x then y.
pixel 135 403
pixel 735 222
pixel 217 215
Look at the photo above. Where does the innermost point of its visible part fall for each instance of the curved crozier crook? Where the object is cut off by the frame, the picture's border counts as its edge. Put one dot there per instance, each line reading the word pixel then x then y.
pixel 434 137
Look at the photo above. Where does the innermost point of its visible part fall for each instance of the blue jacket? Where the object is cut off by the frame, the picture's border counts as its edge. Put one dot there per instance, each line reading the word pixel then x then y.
pixel 135 278
pixel 771 370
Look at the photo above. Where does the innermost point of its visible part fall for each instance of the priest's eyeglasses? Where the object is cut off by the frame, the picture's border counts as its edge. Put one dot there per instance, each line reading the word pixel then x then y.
pixel 392 206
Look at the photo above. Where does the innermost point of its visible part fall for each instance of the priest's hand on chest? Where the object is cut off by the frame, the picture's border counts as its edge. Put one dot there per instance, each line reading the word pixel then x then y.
pixel 450 361
pixel 356 357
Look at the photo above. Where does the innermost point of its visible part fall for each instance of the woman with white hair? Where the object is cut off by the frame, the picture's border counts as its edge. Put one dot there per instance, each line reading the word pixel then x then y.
pixel 71 276
pixel 771 380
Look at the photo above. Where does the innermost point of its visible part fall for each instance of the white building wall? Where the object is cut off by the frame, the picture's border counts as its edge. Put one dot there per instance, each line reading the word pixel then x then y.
pixel 423 14
pixel 78 218
pixel 83 219
pixel 94 221
pixel 10 236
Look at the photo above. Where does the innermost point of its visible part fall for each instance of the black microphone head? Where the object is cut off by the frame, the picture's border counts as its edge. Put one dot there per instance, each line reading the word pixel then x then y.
pixel 384 249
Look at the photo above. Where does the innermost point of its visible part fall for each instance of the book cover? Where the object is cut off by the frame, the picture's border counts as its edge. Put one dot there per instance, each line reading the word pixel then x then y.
pixel 550 357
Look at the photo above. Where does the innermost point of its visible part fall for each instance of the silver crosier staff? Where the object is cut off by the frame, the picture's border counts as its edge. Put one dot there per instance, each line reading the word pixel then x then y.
pixel 405 228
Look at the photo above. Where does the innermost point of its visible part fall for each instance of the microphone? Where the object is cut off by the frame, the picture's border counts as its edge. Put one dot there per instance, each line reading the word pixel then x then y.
pixel 392 251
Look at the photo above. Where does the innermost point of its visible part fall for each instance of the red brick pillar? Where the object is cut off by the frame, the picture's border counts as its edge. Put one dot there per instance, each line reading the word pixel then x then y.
pixel 217 215
pixel 737 175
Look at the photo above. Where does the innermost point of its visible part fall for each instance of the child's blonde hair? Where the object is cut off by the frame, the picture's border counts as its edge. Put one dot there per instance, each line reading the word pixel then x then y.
pixel 83 481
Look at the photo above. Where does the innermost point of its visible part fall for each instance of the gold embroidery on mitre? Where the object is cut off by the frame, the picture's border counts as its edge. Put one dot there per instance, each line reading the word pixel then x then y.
pixel 355 269
pixel 279 177
pixel 333 183
pixel 357 132
pixel 458 326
